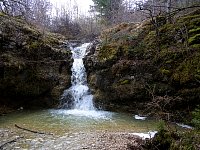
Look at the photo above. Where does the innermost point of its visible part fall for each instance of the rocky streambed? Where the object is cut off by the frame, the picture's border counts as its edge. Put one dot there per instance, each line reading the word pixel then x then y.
pixel 73 141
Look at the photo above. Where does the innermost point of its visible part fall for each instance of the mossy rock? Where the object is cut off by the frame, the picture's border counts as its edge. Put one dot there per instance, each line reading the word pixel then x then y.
pixel 27 29
pixel 150 42
pixel 108 52
pixel 34 45
pixel 170 61
pixel 30 62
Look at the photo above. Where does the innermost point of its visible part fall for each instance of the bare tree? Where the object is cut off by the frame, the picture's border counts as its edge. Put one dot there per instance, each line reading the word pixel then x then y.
pixel 13 7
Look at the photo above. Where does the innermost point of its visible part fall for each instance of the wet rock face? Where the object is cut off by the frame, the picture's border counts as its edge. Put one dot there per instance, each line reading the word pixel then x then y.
pixel 34 66
pixel 117 82
pixel 128 68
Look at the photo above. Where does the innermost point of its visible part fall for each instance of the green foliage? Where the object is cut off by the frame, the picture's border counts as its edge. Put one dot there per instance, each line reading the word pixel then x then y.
pixel 125 82
pixel 194 39
pixel 106 8
pixel 171 139
pixel 188 70
pixel 165 71
pixel 161 125
pixel 102 6
pixel 194 31
pixel 196 117
pixel 2 14
pixel 197 46
pixel 188 140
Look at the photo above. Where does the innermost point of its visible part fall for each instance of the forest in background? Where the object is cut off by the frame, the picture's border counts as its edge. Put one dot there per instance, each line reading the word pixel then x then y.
pixel 67 19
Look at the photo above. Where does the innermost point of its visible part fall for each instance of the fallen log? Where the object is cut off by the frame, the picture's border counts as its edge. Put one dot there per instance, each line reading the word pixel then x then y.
pixel 33 131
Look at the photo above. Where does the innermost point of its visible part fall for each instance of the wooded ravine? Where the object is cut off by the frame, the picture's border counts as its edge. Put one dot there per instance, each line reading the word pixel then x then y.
pixel 95 74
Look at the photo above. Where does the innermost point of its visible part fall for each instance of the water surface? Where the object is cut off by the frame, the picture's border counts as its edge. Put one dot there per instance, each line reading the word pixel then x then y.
pixel 62 121
pixel 70 129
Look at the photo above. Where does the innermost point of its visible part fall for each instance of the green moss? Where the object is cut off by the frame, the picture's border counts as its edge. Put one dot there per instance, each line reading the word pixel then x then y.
pixel 150 41
pixel 53 38
pixel 165 28
pixel 124 82
pixel 161 125
pixel 28 29
pixel 187 140
pixel 183 74
pixel 34 45
pixel 194 31
pixel 2 14
pixel 188 69
pixel 196 46
pixel 10 60
pixel 197 76
pixel 170 138
pixel 196 117
pixel 189 17
pixel 161 20
pixel 165 71
pixel 194 39
pixel 108 52
pixel 192 24
pixel 169 61
pixel 136 51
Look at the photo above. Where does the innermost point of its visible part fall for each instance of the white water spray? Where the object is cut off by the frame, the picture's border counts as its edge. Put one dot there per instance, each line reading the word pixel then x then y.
pixel 78 96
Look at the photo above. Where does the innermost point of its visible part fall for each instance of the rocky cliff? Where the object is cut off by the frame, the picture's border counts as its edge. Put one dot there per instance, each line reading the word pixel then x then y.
pixel 34 65
pixel 132 67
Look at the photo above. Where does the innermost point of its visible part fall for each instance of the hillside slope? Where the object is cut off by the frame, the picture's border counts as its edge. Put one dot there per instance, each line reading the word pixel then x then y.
pixel 132 68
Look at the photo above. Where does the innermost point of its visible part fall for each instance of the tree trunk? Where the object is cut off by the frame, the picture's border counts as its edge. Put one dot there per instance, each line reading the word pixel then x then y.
pixel 168 10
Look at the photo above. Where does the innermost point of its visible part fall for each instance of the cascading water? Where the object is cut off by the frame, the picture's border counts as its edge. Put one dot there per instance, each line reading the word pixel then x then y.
pixel 78 96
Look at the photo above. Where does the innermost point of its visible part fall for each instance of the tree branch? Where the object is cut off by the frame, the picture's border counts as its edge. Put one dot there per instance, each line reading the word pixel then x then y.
pixel 32 130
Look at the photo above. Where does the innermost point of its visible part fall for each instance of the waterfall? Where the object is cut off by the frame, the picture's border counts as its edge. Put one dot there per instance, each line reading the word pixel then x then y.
pixel 78 96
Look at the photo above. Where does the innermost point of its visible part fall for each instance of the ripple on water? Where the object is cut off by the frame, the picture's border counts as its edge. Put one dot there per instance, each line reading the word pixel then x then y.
pixel 92 114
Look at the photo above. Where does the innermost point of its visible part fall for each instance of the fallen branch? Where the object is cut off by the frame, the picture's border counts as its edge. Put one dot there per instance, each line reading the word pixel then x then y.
pixel 11 141
pixel 32 130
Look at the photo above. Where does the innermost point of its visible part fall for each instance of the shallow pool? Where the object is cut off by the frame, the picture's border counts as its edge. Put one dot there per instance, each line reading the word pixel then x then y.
pixel 70 129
